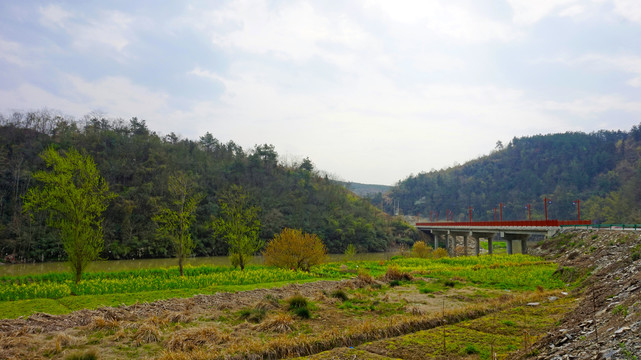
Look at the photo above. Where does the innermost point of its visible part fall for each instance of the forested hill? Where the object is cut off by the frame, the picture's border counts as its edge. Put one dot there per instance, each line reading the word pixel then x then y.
pixel 601 169
pixel 136 162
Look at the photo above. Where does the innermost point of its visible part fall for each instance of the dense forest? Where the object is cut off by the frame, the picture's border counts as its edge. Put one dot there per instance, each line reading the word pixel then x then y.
pixel 137 163
pixel 601 169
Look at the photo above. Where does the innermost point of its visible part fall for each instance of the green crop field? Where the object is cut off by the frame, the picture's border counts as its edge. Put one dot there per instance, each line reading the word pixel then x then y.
pixel 56 292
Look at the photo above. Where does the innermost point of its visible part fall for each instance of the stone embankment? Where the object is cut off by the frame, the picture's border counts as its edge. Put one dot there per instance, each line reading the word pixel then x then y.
pixel 607 322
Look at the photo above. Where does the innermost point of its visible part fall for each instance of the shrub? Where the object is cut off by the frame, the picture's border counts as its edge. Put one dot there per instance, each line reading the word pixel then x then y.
pixel 450 283
pixel 471 349
pixel 421 250
pixel 340 294
pixel 439 253
pixel 293 249
pixel 303 312
pixel 254 315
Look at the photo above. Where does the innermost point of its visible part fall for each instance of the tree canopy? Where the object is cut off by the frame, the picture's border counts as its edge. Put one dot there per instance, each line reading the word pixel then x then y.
pixel 75 196
pixel 175 219
pixel 238 226
pixel 137 163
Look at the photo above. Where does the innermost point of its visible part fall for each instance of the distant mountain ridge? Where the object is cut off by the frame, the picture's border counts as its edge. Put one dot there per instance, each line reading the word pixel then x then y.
pixel 601 169
pixel 364 190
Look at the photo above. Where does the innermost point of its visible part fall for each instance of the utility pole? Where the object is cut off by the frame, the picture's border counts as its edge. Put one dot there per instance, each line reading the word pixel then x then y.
pixel 470 213
pixel 501 210
pixel 578 208
pixel 546 207
pixel 529 211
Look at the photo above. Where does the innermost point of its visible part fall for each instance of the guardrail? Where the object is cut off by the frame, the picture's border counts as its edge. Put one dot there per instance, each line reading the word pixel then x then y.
pixel 607 226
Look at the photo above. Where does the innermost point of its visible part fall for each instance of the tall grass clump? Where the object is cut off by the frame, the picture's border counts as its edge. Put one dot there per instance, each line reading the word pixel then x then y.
pixel 299 305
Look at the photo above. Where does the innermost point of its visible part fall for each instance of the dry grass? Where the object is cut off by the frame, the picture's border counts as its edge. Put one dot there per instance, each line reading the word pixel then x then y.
pixel 147 333
pixel 190 339
pixel 177 317
pixel 286 345
pixel 278 323
pixel 99 323
pixel 63 340
pixel 364 279
pixel 394 273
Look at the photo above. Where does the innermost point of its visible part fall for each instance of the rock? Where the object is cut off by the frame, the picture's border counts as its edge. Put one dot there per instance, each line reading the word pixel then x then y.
pixel 564 293
pixel 609 353
pixel 533 304
pixel 621 330
pixel 553 298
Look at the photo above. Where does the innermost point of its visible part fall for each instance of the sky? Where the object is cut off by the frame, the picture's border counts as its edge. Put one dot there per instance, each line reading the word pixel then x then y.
pixel 371 91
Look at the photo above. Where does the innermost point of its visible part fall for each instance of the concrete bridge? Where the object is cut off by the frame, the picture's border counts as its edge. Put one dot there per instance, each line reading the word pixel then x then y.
pixel 507 231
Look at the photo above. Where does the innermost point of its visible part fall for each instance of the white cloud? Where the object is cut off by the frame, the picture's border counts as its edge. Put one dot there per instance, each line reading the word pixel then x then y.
pixel 54 16
pixel 593 106
pixel 444 18
pixel 527 12
pixel 107 29
pixel 115 96
pixel 12 52
pixel 573 11
pixel 628 9
pixel 111 29
pixel 292 31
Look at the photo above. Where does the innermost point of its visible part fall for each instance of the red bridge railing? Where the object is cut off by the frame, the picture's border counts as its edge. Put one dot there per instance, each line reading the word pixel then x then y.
pixel 523 223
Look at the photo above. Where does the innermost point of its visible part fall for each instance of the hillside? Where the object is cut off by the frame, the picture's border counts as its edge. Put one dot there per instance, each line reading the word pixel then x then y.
pixel 601 169
pixel 136 162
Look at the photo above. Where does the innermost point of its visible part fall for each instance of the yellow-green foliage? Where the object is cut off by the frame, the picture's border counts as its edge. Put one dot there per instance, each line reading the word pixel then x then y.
pixel 421 250
pixel 439 253
pixel 144 280
pixel 293 249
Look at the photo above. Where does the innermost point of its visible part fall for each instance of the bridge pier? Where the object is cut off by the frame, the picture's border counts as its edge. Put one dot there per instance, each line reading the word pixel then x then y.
pixel 465 243
pixel 477 249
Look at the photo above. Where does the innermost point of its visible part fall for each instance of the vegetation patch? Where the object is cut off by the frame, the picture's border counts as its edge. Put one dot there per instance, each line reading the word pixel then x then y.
pixel 346 313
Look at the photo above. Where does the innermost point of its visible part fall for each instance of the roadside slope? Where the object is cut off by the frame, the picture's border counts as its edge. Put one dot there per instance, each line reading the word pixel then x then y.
pixel 607 322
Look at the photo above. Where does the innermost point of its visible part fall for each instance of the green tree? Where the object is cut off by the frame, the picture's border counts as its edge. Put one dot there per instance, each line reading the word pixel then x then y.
pixel 238 225
pixel 350 252
pixel 75 195
pixel 175 219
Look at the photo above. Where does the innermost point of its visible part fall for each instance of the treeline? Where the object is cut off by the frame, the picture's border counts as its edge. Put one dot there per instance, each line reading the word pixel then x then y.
pixel 601 169
pixel 137 163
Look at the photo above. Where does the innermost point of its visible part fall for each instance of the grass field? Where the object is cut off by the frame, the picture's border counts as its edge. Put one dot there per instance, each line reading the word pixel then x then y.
pixel 379 309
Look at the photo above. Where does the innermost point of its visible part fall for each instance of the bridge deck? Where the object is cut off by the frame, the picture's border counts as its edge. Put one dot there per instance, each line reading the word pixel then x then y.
pixel 534 224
